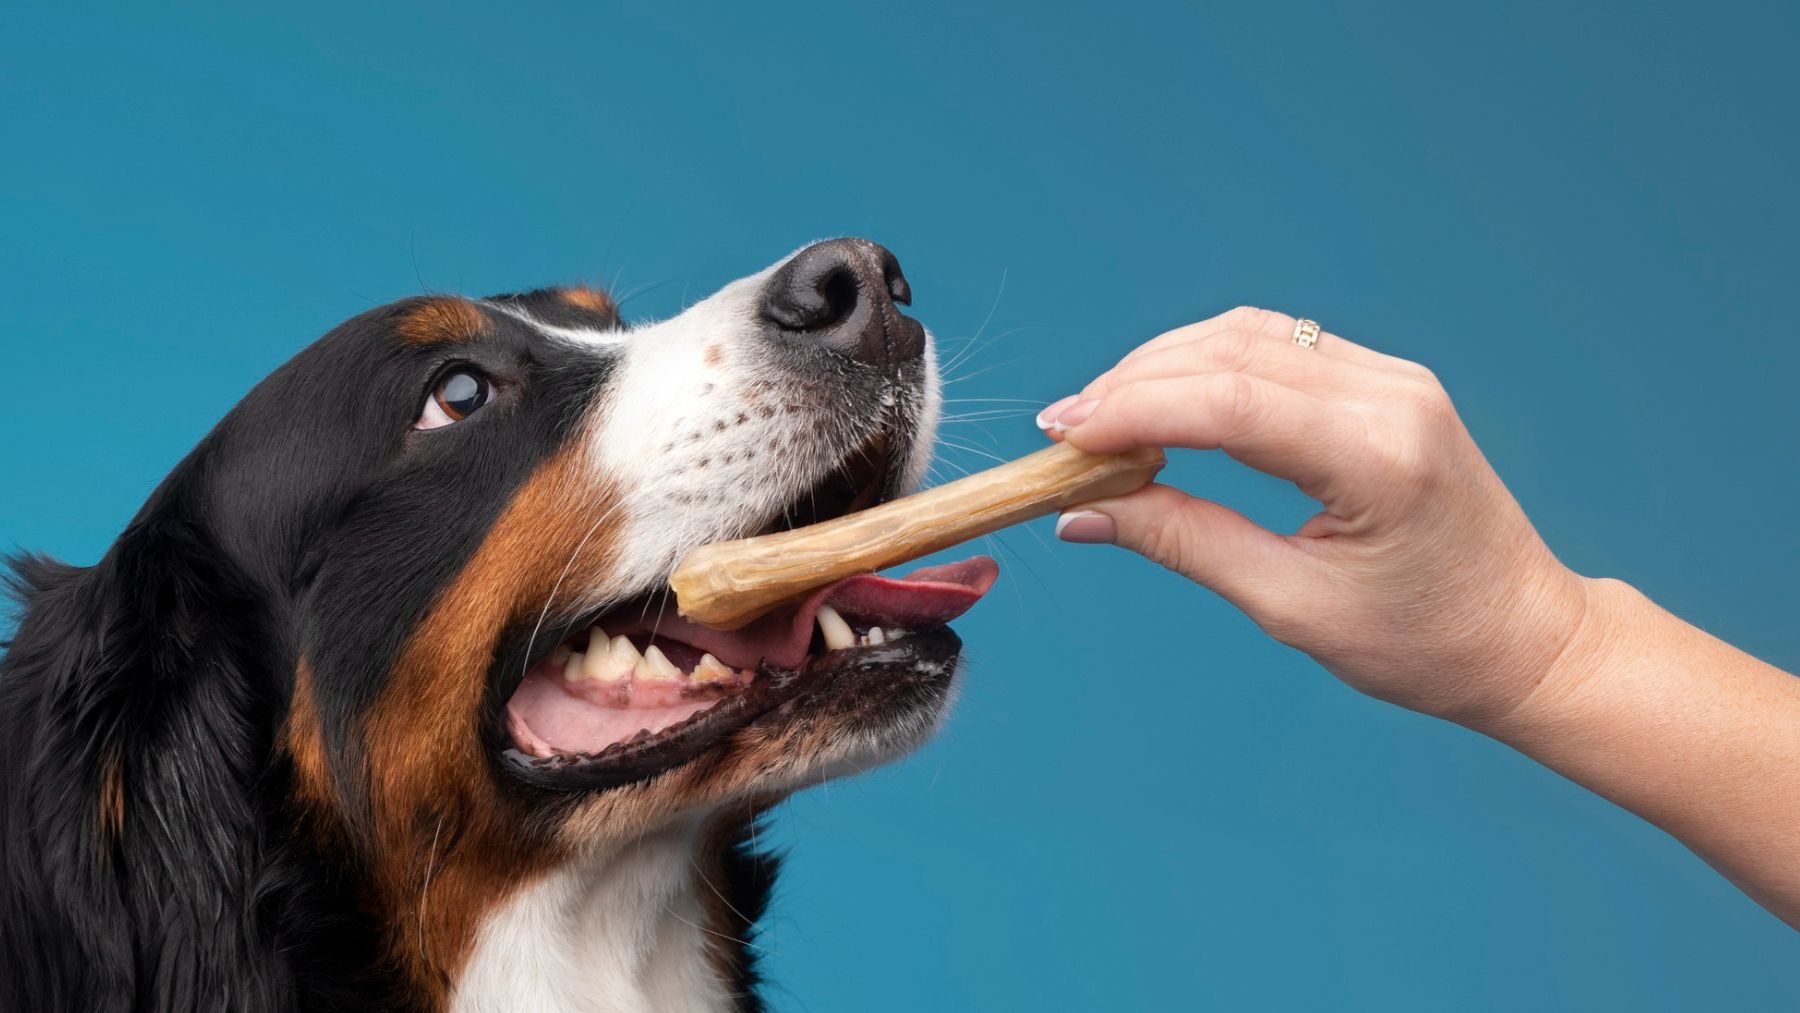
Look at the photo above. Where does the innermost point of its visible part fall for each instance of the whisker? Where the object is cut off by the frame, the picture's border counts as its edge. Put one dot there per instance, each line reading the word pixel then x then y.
pixel 425 888
pixel 722 898
pixel 989 415
pixel 976 428
pixel 643 289
pixel 662 609
pixel 613 285
pixel 964 359
pixel 671 912
pixel 985 345
pixel 412 247
pixel 972 450
pixel 941 479
pixel 524 663
pixel 964 352
pixel 612 242
pixel 1000 548
pixel 989 369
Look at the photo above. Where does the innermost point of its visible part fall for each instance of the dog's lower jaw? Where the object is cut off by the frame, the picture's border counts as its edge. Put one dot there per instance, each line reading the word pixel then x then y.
pixel 624 932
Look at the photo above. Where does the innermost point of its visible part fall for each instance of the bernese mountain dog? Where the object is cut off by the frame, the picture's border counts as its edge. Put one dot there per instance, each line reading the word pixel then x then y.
pixel 381 702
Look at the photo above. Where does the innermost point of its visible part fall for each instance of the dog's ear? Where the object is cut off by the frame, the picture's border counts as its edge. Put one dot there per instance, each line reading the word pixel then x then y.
pixel 132 741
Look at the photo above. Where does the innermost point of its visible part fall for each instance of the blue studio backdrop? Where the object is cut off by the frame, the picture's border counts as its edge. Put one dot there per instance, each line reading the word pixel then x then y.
pixel 1580 215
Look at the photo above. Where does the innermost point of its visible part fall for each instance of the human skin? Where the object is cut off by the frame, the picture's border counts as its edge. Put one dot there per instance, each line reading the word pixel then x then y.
pixel 1422 582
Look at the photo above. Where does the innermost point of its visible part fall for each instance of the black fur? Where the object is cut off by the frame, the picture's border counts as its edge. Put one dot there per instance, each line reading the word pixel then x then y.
pixel 150 856
pixel 749 873
pixel 148 669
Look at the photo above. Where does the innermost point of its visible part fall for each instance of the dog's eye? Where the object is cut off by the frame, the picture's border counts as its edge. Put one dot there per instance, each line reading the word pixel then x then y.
pixel 458 395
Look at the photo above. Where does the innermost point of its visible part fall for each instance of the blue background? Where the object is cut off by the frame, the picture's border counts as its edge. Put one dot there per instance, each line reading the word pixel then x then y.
pixel 1581 216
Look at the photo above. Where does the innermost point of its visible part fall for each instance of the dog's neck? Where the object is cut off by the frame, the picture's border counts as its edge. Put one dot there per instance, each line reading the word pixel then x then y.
pixel 621 933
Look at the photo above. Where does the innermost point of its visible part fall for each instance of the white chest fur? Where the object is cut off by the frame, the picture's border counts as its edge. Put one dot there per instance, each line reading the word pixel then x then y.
pixel 622 934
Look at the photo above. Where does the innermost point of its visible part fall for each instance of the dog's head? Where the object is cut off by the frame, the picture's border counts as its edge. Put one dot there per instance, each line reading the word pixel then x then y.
pixel 434 547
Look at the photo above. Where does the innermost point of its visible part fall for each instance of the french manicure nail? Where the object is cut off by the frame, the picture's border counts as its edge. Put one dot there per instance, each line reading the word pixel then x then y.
pixel 1088 527
pixel 1049 414
pixel 1074 415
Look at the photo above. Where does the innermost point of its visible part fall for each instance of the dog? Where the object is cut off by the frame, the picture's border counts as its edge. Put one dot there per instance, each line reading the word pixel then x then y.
pixel 380 702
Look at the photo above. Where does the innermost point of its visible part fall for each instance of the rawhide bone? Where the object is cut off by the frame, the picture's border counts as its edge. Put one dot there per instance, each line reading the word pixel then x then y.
pixel 727 584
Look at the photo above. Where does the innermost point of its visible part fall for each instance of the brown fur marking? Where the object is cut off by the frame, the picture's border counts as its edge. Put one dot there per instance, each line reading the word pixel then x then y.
pixel 112 798
pixel 304 739
pixel 441 321
pixel 452 847
pixel 591 299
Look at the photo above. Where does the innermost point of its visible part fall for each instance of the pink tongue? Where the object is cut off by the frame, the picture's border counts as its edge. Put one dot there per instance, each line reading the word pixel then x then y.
pixel 930 596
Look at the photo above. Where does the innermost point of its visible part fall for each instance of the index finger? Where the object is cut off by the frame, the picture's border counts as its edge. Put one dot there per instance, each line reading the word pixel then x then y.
pixel 1274 429
pixel 1275 326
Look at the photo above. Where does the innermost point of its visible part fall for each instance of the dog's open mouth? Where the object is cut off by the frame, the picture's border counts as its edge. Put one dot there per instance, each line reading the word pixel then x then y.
pixel 639 689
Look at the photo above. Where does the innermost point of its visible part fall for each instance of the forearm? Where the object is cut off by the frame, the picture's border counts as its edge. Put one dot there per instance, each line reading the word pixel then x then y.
pixel 1681 728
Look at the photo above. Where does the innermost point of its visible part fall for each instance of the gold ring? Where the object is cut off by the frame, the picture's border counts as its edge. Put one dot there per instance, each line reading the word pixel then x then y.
pixel 1306 333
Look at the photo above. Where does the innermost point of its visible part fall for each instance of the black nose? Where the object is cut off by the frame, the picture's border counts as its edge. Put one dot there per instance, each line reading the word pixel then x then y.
pixel 841 294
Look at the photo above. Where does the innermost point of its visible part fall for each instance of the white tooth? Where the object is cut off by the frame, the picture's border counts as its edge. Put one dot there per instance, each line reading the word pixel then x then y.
pixel 618 660
pixel 599 661
pixel 837 632
pixel 559 655
pixel 658 666
pixel 711 669
pixel 600 664
pixel 875 636
pixel 572 667
pixel 597 640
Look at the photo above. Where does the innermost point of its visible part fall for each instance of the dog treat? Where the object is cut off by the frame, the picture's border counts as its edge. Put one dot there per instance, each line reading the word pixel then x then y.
pixel 728 584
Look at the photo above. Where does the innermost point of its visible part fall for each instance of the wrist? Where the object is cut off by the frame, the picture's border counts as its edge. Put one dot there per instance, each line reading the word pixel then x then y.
pixel 1580 669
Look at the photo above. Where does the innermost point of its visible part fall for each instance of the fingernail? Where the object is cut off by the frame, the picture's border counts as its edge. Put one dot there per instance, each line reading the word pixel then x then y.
pixel 1088 527
pixel 1074 415
pixel 1049 414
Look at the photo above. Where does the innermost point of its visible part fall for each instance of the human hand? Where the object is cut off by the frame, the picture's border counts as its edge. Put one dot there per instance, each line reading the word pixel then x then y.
pixel 1420 582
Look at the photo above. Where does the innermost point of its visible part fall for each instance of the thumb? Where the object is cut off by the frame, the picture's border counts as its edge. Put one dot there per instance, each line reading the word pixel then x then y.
pixel 1208 543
